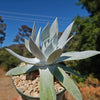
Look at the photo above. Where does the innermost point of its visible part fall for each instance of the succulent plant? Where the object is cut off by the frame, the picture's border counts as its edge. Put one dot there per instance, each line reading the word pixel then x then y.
pixel 47 60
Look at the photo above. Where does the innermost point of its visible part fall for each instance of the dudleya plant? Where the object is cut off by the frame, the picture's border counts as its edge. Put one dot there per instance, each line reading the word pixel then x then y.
pixel 47 59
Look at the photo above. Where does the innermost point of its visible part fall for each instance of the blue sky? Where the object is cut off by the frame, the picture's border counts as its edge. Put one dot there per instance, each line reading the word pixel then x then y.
pixel 24 12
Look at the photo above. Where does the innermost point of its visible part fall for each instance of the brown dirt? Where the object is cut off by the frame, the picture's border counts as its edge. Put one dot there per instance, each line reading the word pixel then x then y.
pixel 7 91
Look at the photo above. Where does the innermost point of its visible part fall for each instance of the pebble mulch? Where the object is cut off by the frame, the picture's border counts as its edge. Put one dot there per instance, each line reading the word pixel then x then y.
pixel 29 84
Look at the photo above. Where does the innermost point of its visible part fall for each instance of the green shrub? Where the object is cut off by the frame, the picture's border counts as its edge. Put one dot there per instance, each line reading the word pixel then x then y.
pixel 78 79
pixel 7 60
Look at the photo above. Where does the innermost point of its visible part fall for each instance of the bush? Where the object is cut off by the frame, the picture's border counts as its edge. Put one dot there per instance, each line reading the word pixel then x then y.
pixel 7 60
pixel 77 78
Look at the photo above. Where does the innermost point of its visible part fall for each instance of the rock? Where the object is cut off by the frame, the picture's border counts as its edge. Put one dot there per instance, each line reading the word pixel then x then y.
pixel 27 93
pixel 34 94
pixel 16 81
pixel 23 77
pixel 30 89
pixel 22 64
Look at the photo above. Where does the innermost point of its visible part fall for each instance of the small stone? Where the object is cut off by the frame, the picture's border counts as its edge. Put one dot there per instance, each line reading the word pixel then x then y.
pixel 27 93
pixel 17 87
pixel 20 90
pixel 26 86
pixel 34 94
pixel 33 82
pixel 22 64
pixel 16 81
pixel 23 88
pixel 36 89
pixel 30 89
pixel 23 77
pixel 31 86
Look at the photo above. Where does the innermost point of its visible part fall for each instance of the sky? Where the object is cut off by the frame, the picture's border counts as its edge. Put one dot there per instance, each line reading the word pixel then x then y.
pixel 24 12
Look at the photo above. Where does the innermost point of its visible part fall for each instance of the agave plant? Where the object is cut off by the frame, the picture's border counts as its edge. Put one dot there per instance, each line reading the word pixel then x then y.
pixel 47 59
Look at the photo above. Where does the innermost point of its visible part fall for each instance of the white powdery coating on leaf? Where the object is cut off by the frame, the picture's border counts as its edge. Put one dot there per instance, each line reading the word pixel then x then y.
pixel 80 55
pixel 27 60
pixel 65 35
pixel 36 51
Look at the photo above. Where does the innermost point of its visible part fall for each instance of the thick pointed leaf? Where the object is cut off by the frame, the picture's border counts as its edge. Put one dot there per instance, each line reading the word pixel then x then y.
pixel 21 70
pixel 33 35
pixel 54 28
pixel 43 48
pixel 62 46
pixel 65 35
pixel 38 38
pixel 36 51
pixel 67 82
pixel 27 45
pixel 47 91
pixel 45 33
pixel 54 56
pixel 54 33
pixel 49 50
pixel 27 60
pixel 55 41
pixel 52 45
pixel 62 58
pixel 80 55
pixel 68 69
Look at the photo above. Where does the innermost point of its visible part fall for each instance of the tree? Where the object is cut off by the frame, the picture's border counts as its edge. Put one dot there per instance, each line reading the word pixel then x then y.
pixel 88 36
pixel 92 6
pixel 24 32
pixel 2 29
